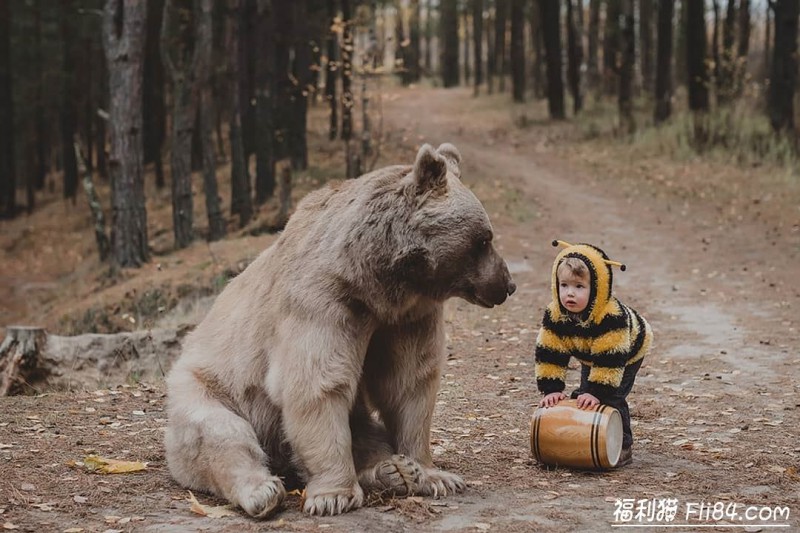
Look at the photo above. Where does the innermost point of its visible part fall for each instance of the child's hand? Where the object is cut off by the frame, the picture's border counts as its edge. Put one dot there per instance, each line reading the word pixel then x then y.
pixel 552 399
pixel 587 401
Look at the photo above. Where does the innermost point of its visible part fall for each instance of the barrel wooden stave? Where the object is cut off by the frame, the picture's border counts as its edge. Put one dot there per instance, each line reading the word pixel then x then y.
pixel 565 435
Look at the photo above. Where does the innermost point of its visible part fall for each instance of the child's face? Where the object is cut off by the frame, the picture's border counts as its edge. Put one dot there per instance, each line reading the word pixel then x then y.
pixel 573 291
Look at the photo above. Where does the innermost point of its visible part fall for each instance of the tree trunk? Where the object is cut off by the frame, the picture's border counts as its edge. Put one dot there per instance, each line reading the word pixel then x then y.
pixel 154 109
pixel 301 71
pixel 8 181
pixel 574 57
pixel 69 119
pixel 265 88
pixel 414 51
pixel 681 69
pixel 592 61
pixel 537 45
pixel 241 203
pixel 768 24
pixel 491 67
pixel 663 91
pixel 103 246
pixel 518 50
pixel 696 56
pixel 743 47
pixel 611 51
pixel 477 42
pixel 646 40
pixel 123 35
pixel 207 111
pixel 428 35
pixel 728 67
pixel 41 127
pixel 181 56
pixel 20 370
pixel 347 71
pixel 32 362
pixel 500 17
pixel 466 44
pixel 550 11
pixel 715 45
pixel 627 48
pixel 332 72
pixel 246 69
pixel 448 16
pixel 783 80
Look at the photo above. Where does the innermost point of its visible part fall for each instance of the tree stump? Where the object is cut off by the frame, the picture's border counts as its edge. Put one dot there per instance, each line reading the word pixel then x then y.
pixel 19 359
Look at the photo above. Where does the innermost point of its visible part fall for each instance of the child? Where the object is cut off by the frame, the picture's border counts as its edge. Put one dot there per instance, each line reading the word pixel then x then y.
pixel 585 321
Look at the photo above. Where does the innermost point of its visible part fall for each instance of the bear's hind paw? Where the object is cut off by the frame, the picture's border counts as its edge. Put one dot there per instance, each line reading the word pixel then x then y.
pixel 399 476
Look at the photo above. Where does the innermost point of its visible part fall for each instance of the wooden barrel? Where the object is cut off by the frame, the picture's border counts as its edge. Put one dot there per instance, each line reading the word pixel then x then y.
pixel 565 435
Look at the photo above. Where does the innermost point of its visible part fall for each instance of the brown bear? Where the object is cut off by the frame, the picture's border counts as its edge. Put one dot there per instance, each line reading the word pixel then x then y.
pixel 321 361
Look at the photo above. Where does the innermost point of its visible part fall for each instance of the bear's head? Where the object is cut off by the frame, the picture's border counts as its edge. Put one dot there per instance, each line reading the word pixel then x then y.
pixel 451 246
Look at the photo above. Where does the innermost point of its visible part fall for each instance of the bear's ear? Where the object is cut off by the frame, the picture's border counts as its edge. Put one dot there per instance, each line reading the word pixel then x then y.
pixel 453 157
pixel 430 170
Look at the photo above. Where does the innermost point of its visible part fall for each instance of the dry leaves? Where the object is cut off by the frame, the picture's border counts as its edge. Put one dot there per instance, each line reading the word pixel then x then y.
pixel 219 511
pixel 102 465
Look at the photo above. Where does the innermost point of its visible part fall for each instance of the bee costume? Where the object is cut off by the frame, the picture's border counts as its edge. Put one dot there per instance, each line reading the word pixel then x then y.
pixel 608 338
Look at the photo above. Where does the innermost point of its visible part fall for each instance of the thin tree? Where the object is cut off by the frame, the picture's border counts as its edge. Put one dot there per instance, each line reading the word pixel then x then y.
pixel 550 11
pixel 574 56
pixel 302 86
pixel 537 46
pixel 449 30
pixel 783 79
pixel 347 71
pixel 241 202
pixel 611 44
pixel 206 111
pixel 592 58
pixel 265 88
pixel 414 50
pixel 41 126
pixel 428 35
pixel 491 67
pixel 518 50
pixel 627 48
pixel 743 46
pixel 500 18
pixel 646 41
pixel 181 58
pixel 8 181
pixel 332 71
pixel 663 90
pixel 123 39
pixel 154 106
pixel 69 119
pixel 477 40
pixel 466 43
pixel 697 72
pixel 726 87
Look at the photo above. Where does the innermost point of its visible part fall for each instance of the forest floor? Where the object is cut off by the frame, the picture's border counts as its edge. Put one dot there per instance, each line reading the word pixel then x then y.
pixel 712 250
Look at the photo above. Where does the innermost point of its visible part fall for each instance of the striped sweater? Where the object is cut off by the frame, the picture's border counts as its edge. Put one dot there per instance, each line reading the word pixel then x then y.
pixel 607 336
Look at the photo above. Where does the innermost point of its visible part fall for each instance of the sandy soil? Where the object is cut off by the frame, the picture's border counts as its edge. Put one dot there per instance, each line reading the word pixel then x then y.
pixel 712 256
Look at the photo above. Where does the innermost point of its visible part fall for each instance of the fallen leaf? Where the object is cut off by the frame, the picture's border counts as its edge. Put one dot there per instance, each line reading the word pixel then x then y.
pixel 9 525
pixel 73 530
pixel 5 446
pixel 101 465
pixel 481 526
pixel 219 511
pixel 80 499
pixel 44 506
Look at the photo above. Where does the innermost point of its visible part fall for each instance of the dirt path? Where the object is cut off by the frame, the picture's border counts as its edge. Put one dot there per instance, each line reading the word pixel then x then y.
pixel 715 407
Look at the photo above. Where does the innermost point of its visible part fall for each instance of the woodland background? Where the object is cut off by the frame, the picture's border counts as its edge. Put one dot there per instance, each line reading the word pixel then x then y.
pixel 117 92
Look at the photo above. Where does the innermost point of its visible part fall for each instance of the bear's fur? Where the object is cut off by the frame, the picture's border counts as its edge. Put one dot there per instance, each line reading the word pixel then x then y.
pixel 321 361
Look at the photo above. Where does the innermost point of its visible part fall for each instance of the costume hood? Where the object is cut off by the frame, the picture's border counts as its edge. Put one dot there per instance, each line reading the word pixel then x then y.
pixel 600 279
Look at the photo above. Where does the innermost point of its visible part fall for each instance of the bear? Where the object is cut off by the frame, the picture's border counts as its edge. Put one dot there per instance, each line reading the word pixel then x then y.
pixel 320 363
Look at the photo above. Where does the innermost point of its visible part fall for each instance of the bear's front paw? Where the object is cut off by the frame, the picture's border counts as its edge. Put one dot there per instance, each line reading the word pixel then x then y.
pixel 438 483
pixel 399 475
pixel 259 494
pixel 325 501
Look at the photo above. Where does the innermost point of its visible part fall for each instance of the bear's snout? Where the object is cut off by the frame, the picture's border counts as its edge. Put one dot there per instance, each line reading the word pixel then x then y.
pixel 511 287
